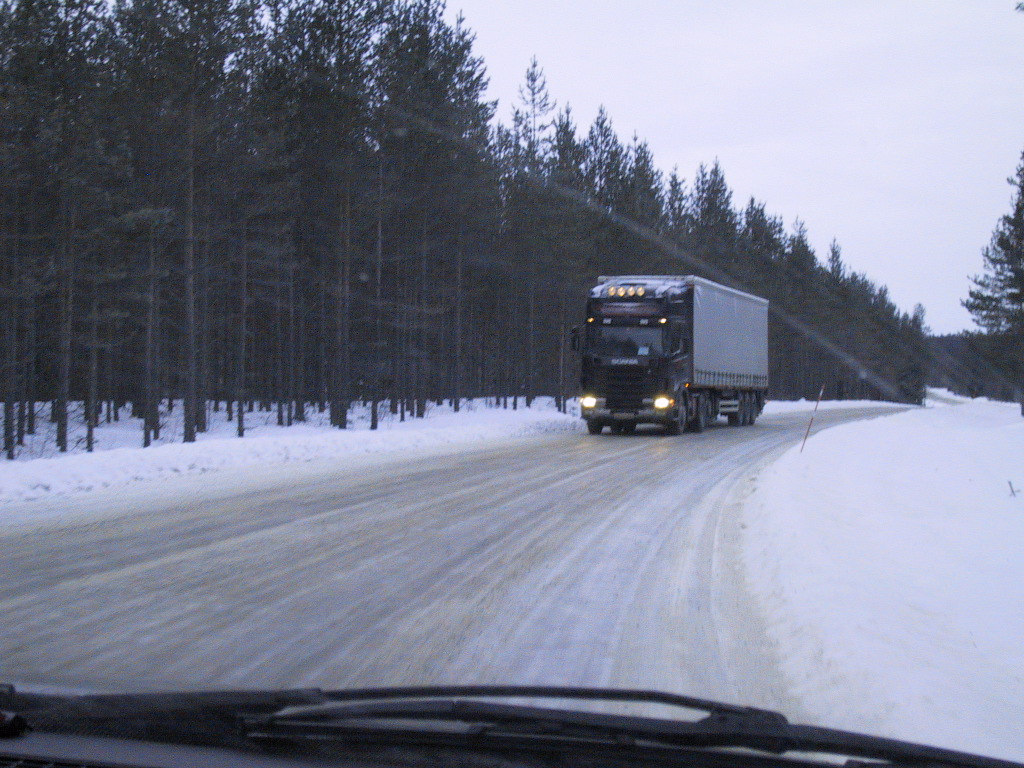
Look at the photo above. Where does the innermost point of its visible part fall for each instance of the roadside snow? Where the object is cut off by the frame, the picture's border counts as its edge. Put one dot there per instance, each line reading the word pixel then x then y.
pixel 888 561
pixel 268 445
pixel 795 406
pixel 937 397
pixel 118 459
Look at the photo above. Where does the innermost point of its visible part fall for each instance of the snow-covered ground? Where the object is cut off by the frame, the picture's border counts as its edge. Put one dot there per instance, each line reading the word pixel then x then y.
pixel 795 406
pixel 126 432
pixel 888 561
pixel 118 458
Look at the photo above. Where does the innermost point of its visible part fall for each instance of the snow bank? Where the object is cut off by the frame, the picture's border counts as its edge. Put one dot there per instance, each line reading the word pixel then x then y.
pixel 938 396
pixel 796 406
pixel 266 445
pixel 888 560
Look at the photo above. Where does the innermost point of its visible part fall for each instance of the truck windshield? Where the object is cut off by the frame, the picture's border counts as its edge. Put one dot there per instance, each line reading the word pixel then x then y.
pixel 624 340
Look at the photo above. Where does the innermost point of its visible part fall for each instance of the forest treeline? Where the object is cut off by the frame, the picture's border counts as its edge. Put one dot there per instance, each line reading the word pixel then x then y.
pixel 303 203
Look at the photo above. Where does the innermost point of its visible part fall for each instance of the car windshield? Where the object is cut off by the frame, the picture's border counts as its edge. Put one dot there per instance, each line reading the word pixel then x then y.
pixel 624 340
pixel 663 345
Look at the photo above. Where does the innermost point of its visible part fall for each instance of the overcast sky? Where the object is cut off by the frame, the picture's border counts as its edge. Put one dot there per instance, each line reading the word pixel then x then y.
pixel 891 126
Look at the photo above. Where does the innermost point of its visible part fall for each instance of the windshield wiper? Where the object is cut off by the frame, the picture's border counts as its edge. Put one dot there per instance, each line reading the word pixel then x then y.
pixel 483 717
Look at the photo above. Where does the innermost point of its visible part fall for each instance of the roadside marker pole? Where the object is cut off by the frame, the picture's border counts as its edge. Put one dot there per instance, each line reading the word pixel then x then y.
pixel 821 393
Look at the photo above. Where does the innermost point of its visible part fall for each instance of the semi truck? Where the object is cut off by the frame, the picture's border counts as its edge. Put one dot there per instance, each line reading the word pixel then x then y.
pixel 672 350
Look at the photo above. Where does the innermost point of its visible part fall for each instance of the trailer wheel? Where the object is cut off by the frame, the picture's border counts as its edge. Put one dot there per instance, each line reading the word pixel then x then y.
pixel 701 420
pixel 595 427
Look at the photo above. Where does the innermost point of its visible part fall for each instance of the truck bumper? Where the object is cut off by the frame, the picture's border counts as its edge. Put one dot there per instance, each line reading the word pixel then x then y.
pixel 639 416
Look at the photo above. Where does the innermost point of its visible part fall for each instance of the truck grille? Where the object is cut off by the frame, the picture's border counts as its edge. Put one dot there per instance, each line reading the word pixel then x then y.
pixel 624 386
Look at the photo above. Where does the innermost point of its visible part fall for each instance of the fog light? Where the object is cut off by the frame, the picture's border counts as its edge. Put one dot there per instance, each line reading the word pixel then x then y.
pixel 662 402
pixel 588 401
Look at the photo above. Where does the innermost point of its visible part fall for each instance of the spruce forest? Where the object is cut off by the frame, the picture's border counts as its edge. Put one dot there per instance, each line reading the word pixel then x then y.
pixel 301 204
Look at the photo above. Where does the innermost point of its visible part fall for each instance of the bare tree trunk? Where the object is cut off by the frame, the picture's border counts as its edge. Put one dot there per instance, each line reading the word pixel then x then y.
pixel 457 363
pixel 90 399
pixel 203 384
pixel 243 289
pixel 158 369
pixel 531 331
pixel 191 387
pixel 30 367
pixel 67 295
pixel 278 394
pixel 343 358
pixel 300 400
pixel 560 400
pixel 419 397
pixel 149 399
pixel 324 368
pixel 12 280
pixel 11 363
pixel 291 344
pixel 378 310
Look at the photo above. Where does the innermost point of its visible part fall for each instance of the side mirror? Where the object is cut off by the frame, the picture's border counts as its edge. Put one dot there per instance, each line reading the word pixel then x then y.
pixel 574 339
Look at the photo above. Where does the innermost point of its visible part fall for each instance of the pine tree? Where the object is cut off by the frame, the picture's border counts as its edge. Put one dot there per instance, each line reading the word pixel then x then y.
pixel 836 268
pixel 643 202
pixel 677 220
pixel 997 299
pixel 606 162
pixel 531 119
pixel 714 223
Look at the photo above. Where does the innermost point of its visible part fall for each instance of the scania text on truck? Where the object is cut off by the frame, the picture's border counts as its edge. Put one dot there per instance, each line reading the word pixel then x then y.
pixel 672 350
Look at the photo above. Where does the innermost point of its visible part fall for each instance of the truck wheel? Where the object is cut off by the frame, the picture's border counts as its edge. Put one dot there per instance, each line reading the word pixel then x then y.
pixel 628 429
pixel 744 413
pixel 594 427
pixel 699 420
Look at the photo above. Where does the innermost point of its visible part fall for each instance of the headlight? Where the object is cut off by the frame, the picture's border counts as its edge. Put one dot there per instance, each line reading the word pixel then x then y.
pixel 588 401
pixel 663 402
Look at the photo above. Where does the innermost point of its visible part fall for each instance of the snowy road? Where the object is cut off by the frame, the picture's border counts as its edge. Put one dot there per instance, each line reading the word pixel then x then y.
pixel 555 559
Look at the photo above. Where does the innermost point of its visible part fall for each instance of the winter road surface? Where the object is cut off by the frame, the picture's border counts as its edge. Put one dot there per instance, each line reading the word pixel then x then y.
pixel 559 559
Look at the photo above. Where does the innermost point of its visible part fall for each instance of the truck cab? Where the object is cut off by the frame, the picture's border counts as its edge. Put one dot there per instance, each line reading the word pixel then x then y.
pixel 642 360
